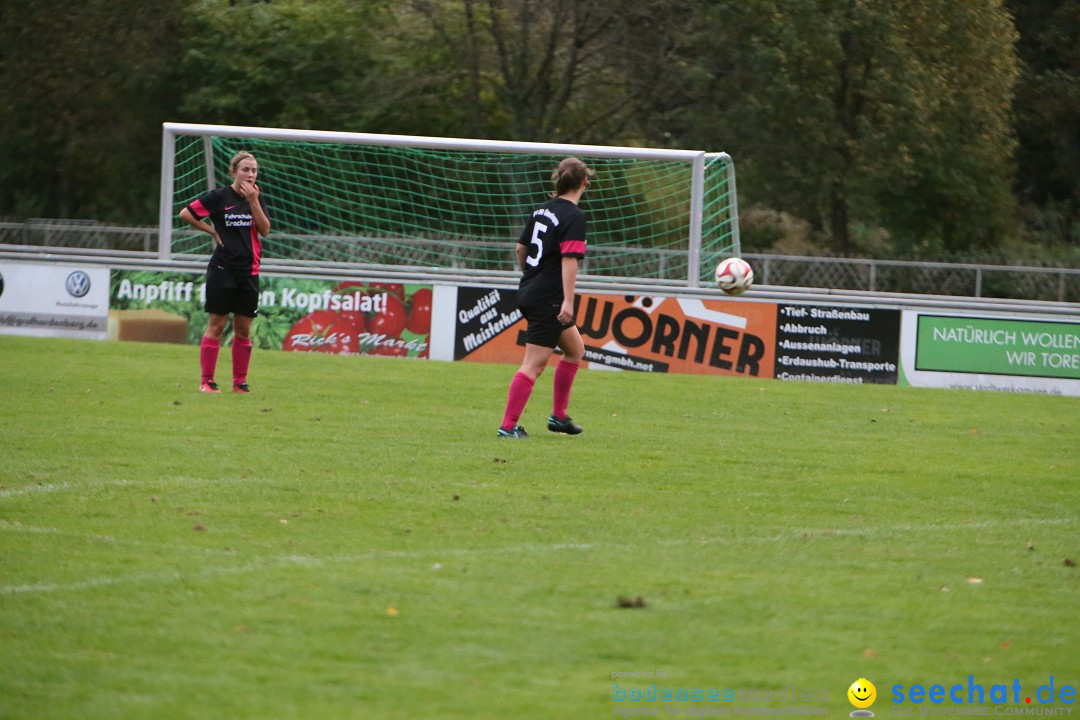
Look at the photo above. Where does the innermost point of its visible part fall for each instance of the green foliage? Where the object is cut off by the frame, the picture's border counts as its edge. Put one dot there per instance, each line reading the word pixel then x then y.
pixel 171 554
pixel 846 114
pixel 956 193
pixel 1047 108
pixel 537 70
pixel 884 113
pixel 289 63
pixel 86 86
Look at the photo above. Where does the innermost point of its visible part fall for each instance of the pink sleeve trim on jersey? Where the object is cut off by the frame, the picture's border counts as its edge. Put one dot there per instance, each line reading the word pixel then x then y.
pixel 572 247
pixel 198 209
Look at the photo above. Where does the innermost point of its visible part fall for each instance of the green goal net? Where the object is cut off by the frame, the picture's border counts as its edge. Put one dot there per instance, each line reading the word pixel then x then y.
pixel 460 204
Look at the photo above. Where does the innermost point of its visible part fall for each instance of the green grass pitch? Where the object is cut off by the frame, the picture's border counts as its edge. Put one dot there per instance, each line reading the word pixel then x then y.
pixel 353 541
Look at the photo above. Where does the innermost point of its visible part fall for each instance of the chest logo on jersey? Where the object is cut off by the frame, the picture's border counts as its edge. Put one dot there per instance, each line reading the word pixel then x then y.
pixel 237 219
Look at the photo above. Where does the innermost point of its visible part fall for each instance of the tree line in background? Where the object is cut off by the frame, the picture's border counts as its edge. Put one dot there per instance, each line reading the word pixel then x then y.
pixel 929 129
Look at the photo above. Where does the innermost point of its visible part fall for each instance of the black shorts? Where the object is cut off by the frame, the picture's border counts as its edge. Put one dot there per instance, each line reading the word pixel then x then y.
pixel 229 291
pixel 544 327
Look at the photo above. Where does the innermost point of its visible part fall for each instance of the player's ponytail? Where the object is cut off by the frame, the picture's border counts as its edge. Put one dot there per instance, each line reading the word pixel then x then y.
pixel 569 175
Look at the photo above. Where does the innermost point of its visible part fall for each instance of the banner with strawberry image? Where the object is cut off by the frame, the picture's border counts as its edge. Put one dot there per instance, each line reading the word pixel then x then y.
pixel 353 317
pixel 365 318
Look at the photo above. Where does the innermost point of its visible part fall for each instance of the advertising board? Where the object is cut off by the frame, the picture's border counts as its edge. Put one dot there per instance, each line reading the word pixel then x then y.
pixel 54 300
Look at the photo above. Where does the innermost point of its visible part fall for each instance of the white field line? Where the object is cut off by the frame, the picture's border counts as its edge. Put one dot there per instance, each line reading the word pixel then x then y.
pixel 18 527
pixel 159 578
pixel 31 489
pixel 87 486
pixel 436 554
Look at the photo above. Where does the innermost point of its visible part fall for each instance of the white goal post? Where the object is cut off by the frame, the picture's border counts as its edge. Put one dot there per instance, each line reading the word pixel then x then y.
pixel 386 199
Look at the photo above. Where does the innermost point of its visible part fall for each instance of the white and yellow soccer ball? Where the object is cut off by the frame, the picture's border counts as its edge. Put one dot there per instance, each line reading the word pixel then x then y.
pixel 734 276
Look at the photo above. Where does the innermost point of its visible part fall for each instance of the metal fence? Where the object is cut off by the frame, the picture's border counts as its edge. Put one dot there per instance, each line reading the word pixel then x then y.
pixel 88 234
pixel 924 278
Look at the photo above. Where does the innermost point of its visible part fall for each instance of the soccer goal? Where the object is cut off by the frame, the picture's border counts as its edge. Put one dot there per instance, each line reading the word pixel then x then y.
pixel 429 202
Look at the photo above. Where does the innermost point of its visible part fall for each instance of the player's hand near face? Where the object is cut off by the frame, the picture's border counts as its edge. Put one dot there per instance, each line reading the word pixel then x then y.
pixel 250 191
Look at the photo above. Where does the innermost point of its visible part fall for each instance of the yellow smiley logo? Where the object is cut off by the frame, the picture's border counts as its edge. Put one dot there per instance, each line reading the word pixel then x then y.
pixel 862 693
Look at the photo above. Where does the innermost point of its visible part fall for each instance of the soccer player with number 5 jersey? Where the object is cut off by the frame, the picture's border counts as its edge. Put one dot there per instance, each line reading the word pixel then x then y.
pixel 548 252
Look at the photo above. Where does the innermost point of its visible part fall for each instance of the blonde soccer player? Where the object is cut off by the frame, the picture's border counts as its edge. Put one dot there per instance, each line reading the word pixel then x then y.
pixel 235 217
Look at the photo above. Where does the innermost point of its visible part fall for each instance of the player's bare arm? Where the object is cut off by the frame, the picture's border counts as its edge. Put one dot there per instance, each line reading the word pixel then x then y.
pixel 200 225
pixel 569 280
pixel 522 253
pixel 250 191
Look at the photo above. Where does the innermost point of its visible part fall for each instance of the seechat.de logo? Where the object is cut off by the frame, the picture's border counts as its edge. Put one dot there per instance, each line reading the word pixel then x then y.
pixel 78 284
pixel 862 695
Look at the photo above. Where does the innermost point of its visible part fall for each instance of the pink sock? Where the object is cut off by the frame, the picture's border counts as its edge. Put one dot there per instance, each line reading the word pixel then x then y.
pixel 564 380
pixel 241 358
pixel 208 352
pixel 520 389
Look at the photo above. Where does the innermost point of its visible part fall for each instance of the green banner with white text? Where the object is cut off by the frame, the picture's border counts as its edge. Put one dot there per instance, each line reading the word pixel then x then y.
pixel 996 346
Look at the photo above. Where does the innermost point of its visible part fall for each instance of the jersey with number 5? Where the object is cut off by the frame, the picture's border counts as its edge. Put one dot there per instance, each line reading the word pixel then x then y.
pixel 555 230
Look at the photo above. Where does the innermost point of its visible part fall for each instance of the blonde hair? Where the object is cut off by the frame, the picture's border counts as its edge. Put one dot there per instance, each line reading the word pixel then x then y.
pixel 238 158
pixel 569 174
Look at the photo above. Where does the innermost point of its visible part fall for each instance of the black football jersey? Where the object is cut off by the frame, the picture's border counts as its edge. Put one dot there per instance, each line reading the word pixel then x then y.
pixel 555 230
pixel 230 213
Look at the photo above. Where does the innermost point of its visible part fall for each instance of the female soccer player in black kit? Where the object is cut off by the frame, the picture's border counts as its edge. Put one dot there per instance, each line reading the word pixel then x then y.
pixel 548 252
pixel 237 221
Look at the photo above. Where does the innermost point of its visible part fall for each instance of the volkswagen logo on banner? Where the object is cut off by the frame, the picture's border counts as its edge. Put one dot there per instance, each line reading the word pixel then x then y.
pixel 78 284
pixel 1 284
